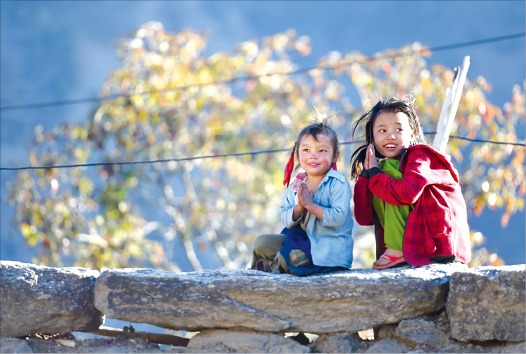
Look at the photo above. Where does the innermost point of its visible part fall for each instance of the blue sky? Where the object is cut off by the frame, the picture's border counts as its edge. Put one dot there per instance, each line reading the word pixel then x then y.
pixel 64 50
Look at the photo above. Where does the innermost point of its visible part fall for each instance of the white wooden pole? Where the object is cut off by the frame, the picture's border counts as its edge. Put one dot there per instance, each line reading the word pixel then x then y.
pixel 450 106
pixel 439 137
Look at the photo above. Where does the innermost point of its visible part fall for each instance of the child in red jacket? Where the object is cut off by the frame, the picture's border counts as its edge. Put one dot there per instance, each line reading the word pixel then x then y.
pixel 409 190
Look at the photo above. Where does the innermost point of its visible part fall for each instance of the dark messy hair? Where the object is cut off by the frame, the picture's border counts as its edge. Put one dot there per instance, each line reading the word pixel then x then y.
pixel 314 129
pixel 318 127
pixel 404 105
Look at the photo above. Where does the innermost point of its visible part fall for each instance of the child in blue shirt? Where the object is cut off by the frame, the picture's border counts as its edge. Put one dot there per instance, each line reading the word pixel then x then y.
pixel 316 212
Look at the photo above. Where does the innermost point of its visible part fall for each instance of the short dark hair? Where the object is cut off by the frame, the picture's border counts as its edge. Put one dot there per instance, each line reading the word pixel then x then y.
pixel 316 128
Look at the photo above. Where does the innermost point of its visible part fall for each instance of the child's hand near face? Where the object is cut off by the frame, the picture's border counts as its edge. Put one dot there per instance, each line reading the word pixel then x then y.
pixel 299 209
pixel 306 202
pixel 370 158
pixel 304 196
pixel 300 178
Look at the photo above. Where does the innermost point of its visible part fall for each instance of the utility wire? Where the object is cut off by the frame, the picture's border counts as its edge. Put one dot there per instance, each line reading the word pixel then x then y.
pixel 252 77
pixel 487 141
pixel 477 42
pixel 250 153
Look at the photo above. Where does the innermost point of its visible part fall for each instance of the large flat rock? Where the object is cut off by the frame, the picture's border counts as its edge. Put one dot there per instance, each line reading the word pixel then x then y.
pixel 37 299
pixel 488 303
pixel 251 300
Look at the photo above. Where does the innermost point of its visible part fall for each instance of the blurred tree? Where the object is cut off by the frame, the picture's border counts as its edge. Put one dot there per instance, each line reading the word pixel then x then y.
pixel 169 103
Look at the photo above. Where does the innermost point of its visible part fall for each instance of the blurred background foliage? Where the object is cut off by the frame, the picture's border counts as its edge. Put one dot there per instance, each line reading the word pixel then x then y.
pixel 159 196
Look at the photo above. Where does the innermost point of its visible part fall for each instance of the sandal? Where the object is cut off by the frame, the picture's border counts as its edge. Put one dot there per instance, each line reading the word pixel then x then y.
pixel 393 261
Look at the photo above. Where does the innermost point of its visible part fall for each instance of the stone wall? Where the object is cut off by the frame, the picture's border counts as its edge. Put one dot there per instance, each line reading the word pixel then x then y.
pixel 446 308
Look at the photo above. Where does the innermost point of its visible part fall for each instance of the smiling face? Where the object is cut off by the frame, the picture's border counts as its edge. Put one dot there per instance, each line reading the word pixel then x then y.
pixel 392 133
pixel 316 156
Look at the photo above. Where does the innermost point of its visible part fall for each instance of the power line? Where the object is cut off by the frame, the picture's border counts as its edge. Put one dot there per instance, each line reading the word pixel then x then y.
pixel 253 77
pixel 250 153
pixel 487 141
pixel 477 42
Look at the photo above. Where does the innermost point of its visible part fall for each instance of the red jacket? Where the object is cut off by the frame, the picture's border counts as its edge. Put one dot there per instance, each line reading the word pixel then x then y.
pixel 437 228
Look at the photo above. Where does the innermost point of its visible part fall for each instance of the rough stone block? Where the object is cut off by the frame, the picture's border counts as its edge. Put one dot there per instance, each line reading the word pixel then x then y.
pixel 346 301
pixel 46 300
pixel 488 303
pixel 424 331
pixel 222 341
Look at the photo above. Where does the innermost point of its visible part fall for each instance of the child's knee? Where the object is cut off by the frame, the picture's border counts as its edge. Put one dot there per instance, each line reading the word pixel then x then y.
pixel 267 243
pixel 259 242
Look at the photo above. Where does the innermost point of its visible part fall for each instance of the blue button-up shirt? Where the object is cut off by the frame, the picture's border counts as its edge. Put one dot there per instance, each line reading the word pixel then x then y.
pixel 331 238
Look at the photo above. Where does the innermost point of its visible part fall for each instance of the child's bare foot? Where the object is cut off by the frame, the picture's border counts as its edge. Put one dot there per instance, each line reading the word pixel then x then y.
pixel 389 259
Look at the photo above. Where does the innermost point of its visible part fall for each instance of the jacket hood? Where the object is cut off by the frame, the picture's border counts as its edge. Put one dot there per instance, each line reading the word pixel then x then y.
pixel 444 158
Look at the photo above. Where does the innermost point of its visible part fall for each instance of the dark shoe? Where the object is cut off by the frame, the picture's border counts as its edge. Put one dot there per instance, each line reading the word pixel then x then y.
pixel 264 265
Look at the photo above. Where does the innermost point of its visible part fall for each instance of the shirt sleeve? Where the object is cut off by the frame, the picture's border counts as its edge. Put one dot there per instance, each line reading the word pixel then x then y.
pixel 363 202
pixel 287 209
pixel 335 213
pixel 417 174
